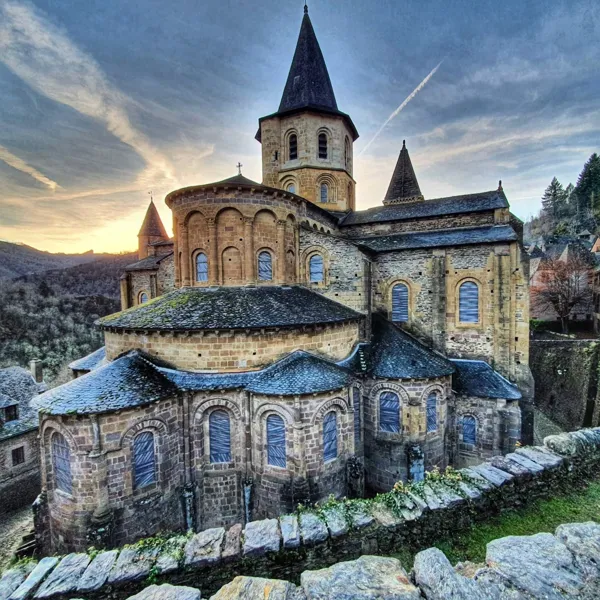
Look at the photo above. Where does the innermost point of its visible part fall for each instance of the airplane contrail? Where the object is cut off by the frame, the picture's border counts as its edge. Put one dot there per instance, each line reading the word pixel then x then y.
pixel 408 99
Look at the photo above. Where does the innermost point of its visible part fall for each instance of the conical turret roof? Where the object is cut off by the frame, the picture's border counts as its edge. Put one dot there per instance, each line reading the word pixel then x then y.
pixel 152 225
pixel 404 186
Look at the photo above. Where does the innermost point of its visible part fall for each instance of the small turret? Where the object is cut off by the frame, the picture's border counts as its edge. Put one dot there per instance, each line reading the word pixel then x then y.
pixel 152 231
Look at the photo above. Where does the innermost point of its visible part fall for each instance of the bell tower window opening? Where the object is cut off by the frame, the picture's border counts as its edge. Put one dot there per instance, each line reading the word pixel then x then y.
pixel 323 145
pixel 293 146
pixel 324 193
pixel 291 187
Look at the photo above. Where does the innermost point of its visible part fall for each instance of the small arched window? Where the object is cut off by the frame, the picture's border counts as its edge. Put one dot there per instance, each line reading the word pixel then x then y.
pixel 356 406
pixel 347 152
pixel 144 460
pixel 276 441
pixel 400 303
pixel 431 412
pixel 291 187
pixel 265 266
pixel 389 412
pixel 201 267
pixel 324 193
pixel 293 146
pixel 61 462
pixel 322 145
pixel 143 297
pixel 468 302
pixel 469 430
pixel 315 267
pixel 219 427
pixel 330 436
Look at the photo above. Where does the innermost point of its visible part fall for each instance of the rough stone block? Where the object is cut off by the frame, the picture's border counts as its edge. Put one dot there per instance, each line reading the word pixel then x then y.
pixel 167 592
pixel 13 578
pixel 474 478
pixel 34 578
pixel 525 462
pixel 494 476
pixel 312 529
pixel 509 466
pixel 336 521
pixel 132 564
pixel 245 588
pixel 385 516
pixel 171 555
pixel 546 459
pixel 97 572
pixel 368 578
pixel 361 516
pixel 583 540
pixel 261 537
pixel 430 497
pixel 65 576
pixel 290 531
pixel 233 543
pixel 469 490
pixel 447 496
pixel 204 548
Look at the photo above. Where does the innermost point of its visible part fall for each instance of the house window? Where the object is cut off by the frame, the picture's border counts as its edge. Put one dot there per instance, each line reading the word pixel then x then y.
pixel 61 462
pixel 201 267
pixel 400 303
pixel 469 430
pixel 265 266
pixel 315 267
pixel 432 412
pixel 291 188
pixel 324 193
pixel 468 302
pixel 276 441
pixel 293 147
pixel 18 456
pixel 11 413
pixel 356 406
pixel 330 436
pixel 144 460
pixel 143 297
pixel 389 412
pixel 220 437
pixel 322 145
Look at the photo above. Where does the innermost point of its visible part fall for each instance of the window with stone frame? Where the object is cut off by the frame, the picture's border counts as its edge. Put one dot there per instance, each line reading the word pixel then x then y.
pixel 143 297
pixel 293 146
pixel 330 449
pixel 61 463
pixel 469 430
pixel 400 303
pixel 389 412
pixel 144 460
pixel 291 187
pixel 315 268
pixel 11 413
pixel 323 151
pixel 18 456
pixel 468 302
pixel 219 431
pixel 432 408
pixel 276 441
pixel 324 193
pixel 201 267
pixel 265 266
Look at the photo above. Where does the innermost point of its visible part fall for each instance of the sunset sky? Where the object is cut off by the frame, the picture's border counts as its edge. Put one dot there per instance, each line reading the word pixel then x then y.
pixel 104 100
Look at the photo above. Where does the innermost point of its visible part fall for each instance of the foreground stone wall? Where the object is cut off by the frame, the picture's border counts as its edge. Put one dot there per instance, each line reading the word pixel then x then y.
pixel 412 518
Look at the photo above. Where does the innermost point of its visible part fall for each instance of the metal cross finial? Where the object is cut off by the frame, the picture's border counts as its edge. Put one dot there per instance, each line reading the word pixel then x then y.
pixel 239 167
pixel 305 7
pixel 151 196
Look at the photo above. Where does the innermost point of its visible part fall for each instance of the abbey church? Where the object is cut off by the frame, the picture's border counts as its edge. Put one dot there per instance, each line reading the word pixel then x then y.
pixel 283 346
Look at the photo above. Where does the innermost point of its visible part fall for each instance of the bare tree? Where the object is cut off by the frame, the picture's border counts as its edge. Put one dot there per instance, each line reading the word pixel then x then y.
pixel 563 286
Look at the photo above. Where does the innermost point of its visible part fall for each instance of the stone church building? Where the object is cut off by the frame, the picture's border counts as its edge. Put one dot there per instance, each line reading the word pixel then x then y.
pixel 283 346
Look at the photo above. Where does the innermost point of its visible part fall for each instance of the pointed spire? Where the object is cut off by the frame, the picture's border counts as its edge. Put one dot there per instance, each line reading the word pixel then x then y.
pixel 308 83
pixel 152 225
pixel 404 186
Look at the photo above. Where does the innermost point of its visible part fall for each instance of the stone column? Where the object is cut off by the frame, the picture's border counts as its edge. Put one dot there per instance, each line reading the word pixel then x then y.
pixel 185 257
pixel 249 262
pixel 213 263
pixel 280 266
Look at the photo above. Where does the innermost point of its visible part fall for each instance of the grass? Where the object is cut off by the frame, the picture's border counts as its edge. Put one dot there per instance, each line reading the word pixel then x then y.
pixel 540 516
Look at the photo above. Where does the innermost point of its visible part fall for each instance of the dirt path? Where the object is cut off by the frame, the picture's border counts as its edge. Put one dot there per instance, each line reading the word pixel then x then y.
pixel 13 526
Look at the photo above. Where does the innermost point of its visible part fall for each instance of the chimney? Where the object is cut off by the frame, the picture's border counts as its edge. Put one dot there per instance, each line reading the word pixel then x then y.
pixel 35 366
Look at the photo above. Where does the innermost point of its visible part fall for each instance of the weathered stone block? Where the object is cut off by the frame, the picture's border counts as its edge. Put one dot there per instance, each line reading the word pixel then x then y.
pixel 133 564
pixel 492 474
pixel 167 592
pixel 312 529
pixel 245 588
pixel 336 521
pixel 583 540
pixel 290 531
pixel 171 555
pixel 204 548
pixel 13 578
pixel 525 462
pixel 547 459
pixel 261 537
pixel 65 576
pixel 36 576
pixel 233 543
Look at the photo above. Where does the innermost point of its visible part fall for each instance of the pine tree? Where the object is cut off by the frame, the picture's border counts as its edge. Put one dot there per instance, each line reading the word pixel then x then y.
pixel 571 199
pixel 588 185
pixel 554 200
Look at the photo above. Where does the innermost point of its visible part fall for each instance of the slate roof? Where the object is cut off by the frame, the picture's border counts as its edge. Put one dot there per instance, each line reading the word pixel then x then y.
pixel 152 225
pixel 195 309
pixel 439 238
pixel 150 263
pixel 404 184
pixel 189 381
pixel 90 362
pixel 6 401
pixel 397 355
pixel 468 203
pixel 477 378
pixel 17 386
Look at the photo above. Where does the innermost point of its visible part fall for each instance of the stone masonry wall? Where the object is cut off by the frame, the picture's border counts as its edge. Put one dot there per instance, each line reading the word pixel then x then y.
pixel 236 350
pixel 411 518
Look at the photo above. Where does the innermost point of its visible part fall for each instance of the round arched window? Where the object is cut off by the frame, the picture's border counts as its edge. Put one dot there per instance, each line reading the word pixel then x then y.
pixel 324 193
pixel 291 187
pixel 143 297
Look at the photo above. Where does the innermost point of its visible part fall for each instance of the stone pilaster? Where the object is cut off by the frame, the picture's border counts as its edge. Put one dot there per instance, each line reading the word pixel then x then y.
pixel 185 257
pixel 213 262
pixel 249 260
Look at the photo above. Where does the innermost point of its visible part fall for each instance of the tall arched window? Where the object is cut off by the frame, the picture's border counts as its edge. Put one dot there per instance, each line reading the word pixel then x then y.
pixel 468 302
pixel 276 441
pixel 201 267
pixel 432 412
pixel 469 430
pixel 315 267
pixel 144 460
pixel 293 146
pixel 356 406
pixel 400 303
pixel 220 437
pixel 347 152
pixel 389 412
pixel 324 193
pixel 291 187
pixel 265 266
pixel 322 145
pixel 143 297
pixel 61 463
pixel 330 436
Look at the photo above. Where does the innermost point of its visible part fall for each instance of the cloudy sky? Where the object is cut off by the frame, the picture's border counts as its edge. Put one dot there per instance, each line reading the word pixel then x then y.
pixel 104 100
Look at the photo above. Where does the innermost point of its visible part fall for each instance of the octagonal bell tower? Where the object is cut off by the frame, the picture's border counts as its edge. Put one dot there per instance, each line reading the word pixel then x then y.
pixel 307 145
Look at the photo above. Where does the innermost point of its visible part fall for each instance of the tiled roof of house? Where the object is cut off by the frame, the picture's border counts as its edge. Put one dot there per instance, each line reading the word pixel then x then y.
pixel 90 362
pixel 403 185
pixel 17 386
pixel 477 378
pixel 439 238
pixel 195 309
pixel 468 203
pixel 397 355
